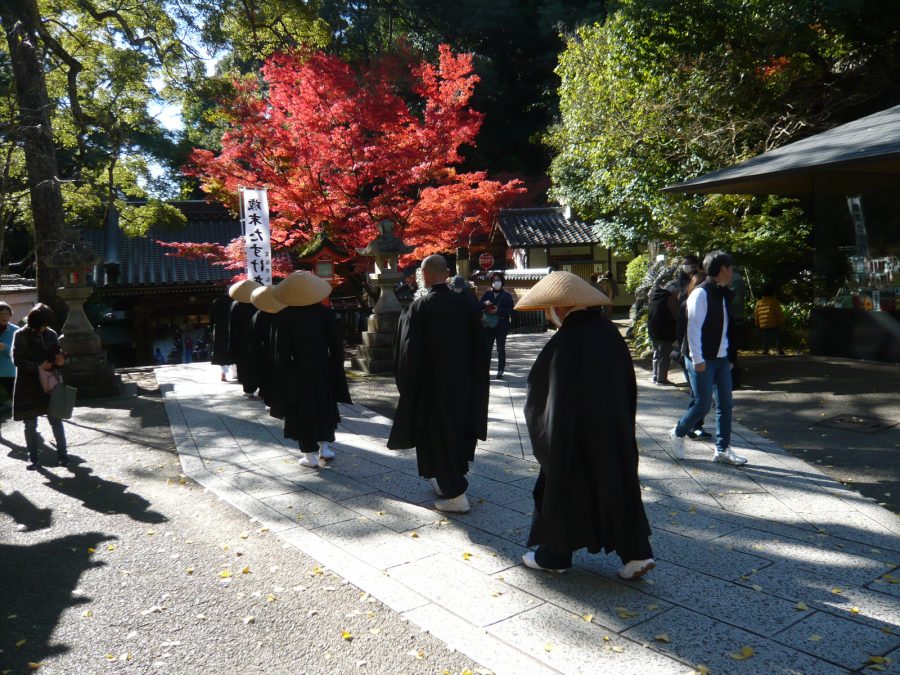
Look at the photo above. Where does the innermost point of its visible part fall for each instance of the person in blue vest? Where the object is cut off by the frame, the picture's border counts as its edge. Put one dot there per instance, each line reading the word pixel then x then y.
pixel 497 308
pixel 7 369
pixel 711 353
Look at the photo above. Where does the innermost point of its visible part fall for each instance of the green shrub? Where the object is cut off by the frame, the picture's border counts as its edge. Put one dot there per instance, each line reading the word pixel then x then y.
pixel 636 271
pixel 640 338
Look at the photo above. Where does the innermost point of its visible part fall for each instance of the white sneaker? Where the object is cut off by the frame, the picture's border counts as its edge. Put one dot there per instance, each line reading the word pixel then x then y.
pixel 310 459
pixel 325 451
pixel 635 569
pixel 529 560
pixel 435 487
pixel 677 444
pixel 456 505
pixel 727 456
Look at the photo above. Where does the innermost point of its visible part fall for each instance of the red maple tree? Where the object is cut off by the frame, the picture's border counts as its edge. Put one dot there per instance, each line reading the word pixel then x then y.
pixel 340 149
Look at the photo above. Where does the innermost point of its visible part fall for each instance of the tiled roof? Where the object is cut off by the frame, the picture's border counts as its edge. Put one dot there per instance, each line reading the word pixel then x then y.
pixel 543 227
pixel 143 262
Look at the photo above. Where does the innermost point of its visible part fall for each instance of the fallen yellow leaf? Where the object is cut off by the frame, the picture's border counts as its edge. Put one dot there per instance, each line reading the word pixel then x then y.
pixel 617 649
pixel 34 666
pixel 606 638
pixel 250 619
pixel 837 591
pixel 414 535
pixel 854 610
pixel 151 532
pixel 588 617
pixel 548 647
pixel 111 547
pixel 245 569
pixel 110 657
pixel 815 638
pixel 92 550
pixel 466 555
pixel 88 613
pixel 379 513
pixel 662 637
pixel 189 570
pixel 374 631
pixel 270 598
pixel 756 587
pixel 745 653
pixel 21 642
pixel 801 606
pixel 317 571
pixel 245 535
pixel 224 574
pixel 702 670
pixel 346 635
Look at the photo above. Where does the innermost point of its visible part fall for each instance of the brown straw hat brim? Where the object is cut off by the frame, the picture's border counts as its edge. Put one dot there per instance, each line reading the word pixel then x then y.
pixel 263 298
pixel 562 289
pixel 301 289
pixel 242 290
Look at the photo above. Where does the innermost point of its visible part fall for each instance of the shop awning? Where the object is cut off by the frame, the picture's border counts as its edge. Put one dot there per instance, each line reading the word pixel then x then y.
pixel 860 155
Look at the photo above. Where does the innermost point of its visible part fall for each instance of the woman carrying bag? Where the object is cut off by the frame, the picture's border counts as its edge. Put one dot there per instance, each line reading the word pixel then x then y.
pixel 36 355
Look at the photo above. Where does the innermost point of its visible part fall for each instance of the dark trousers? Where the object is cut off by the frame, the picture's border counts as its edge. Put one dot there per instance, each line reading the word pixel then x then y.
pixel 499 335
pixel 308 446
pixel 31 437
pixel 6 392
pixel 452 486
pixel 770 335
pixel 555 560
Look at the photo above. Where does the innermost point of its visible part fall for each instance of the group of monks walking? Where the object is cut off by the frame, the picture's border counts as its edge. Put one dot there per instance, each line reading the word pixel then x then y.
pixel 580 408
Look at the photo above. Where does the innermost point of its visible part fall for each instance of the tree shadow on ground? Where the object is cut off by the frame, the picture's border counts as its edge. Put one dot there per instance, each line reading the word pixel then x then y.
pixel 102 496
pixel 38 584
pixel 28 516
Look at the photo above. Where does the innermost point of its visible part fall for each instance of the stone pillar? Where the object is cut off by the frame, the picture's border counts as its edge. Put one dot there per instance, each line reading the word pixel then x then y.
pixel 376 353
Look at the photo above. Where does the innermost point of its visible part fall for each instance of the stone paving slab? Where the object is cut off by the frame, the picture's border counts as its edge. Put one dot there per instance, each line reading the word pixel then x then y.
pixel 737 548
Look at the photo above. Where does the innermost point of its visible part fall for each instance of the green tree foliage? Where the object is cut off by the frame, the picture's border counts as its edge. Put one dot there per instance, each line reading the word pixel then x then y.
pixel 665 90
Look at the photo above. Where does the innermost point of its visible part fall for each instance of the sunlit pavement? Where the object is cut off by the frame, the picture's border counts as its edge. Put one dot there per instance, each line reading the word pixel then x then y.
pixel 771 567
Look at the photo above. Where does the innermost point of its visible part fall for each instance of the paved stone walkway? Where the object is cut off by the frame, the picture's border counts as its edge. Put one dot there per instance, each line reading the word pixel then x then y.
pixel 773 567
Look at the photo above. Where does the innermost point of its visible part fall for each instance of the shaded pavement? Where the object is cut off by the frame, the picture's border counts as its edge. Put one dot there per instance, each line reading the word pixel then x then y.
pixel 773 567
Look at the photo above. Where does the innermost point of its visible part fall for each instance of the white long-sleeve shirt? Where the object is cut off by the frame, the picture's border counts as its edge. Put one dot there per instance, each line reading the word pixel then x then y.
pixel 696 315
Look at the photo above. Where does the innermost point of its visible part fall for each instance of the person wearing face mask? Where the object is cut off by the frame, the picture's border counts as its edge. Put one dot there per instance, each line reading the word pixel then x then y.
pixel 497 308
pixel 587 494
pixel 689 266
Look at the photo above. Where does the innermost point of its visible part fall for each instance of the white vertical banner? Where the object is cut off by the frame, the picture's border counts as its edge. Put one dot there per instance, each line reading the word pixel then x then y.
pixel 257 236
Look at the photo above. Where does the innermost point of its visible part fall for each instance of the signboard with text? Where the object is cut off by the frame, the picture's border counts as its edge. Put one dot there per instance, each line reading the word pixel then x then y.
pixel 257 236
pixel 486 261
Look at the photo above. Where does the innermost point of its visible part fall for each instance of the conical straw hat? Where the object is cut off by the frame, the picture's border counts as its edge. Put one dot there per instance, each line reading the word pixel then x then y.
pixel 263 298
pixel 241 290
pixel 300 289
pixel 562 289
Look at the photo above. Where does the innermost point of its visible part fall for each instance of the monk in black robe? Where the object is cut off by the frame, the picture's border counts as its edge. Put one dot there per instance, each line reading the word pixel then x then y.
pixel 309 358
pixel 264 330
pixel 442 376
pixel 580 411
pixel 219 318
pixel 240 335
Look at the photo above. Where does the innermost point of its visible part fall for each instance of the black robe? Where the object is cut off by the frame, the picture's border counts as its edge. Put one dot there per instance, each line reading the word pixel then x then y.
pixel 240 343
pixel 263 350
pixel 580 412
pixel 219 318
pixel 442 376
pixel 310 378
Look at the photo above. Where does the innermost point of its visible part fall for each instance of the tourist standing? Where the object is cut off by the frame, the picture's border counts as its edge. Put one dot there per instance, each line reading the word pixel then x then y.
pixel 711 350
pixel 7 368
pixel 580 411
pixel 497 305
pixel 662 313
pixel 442 376
pixel 36 348
pixel 309 358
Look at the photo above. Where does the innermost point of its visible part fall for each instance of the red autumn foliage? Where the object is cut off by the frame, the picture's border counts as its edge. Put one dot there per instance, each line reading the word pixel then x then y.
pixel 340 150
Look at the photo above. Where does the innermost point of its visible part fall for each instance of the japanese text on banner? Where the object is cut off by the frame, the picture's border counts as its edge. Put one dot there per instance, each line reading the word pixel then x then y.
pixel 257 237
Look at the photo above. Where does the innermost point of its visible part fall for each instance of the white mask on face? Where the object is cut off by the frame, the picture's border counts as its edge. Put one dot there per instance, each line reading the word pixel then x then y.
pixel 497 285
pixel 553 317
pixel 689 269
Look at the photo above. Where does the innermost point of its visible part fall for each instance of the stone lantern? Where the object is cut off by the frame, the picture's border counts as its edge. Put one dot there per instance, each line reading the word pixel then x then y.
pixel 376 354
pixel 86 366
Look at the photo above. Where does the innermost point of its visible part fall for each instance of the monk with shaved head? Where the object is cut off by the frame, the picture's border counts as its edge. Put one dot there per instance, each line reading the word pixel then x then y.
pixel 442 376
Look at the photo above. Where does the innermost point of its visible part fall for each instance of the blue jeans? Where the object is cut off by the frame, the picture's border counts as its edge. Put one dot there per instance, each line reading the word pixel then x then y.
pixel 714 381
pixel 31 437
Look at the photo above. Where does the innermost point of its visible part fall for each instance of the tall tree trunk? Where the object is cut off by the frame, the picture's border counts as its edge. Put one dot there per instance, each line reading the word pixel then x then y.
pixel 20 19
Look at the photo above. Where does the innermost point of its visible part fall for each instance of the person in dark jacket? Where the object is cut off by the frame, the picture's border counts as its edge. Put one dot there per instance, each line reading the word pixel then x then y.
pixel 36 348
pixel 497 305
pixel 712 354
pixel 662 313
pixel 220 314
pixel 309 360
pixel 459 285
pixel 442 375
pixel 240 335
pixel 587 494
